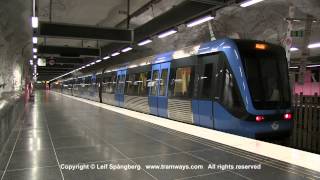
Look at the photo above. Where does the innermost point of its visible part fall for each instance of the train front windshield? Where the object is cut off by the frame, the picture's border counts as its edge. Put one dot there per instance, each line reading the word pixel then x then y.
pixel 267 74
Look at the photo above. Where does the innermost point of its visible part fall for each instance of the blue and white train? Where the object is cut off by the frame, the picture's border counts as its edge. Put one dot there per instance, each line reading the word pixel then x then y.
pixel 235 86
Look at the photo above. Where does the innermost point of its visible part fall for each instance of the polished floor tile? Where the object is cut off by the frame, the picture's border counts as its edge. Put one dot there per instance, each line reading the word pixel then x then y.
pixel 32 143
pixel 86 134
pixel 4 157
pixel 75 141
pixel 34 133
pixel 221 157
pixel 49 173
pixel 88 154
pixel 1 173
pixel 30 159
pixel 186 145
pixel 133 150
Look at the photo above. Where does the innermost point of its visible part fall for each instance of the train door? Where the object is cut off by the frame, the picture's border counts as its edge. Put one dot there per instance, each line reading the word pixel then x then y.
pixel 202 104
pixel 158 99
pixel 119 94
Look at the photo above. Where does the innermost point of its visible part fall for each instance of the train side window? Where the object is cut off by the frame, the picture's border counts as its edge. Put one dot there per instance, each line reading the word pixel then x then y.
pixel 154 83
pixel 206 81
pixel 111 84
pixel 180 82
pixel 163 82
pixel 130 87
pixel 230 95
pixel 121 84
pixel 141 83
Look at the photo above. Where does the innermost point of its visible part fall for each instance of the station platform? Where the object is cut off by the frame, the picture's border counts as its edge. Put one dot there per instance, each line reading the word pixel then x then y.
pixel 64 137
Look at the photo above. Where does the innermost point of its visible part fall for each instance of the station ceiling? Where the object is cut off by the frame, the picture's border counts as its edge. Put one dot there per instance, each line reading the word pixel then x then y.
pixel 265 21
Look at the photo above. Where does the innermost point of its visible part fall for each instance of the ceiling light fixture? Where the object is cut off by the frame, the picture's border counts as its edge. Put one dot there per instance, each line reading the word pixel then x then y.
pixel 99 60
pixel 115 54
pixel 126 49
pixel 106 57
pixel 35 50
pixel 250 2
pixel 144 42
pixel 293 49
pixel 315 45
pixel 200 21
pixel 34 40
pixel 34 22
pixel 167 33
pixel 314 65
pixel 294 67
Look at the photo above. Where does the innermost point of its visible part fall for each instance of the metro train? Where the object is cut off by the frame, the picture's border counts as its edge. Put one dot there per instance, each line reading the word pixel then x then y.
pixel 235 86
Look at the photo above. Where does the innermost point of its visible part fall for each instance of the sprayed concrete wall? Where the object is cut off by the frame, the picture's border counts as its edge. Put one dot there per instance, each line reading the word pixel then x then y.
pixel 15 50
pixel 15 44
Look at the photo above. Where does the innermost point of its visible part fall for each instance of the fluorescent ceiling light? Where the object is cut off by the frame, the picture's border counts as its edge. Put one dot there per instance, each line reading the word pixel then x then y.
pixel 31 62
pixel 35 50
pixel 105 58
pixel 294 49
pixel 115 54
pixel 144 42
pixel 315 45
pixel 133 66
pixel 250 2
pixel 294 67
pixel 88 65
pixel 34 22
pixel 200 21
pixel 92 63
pixel 126 49
pixel 314 65
pixel 83 67
pixel 34 40
pixel 99 60
pixel 167 33
pixel 35 56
